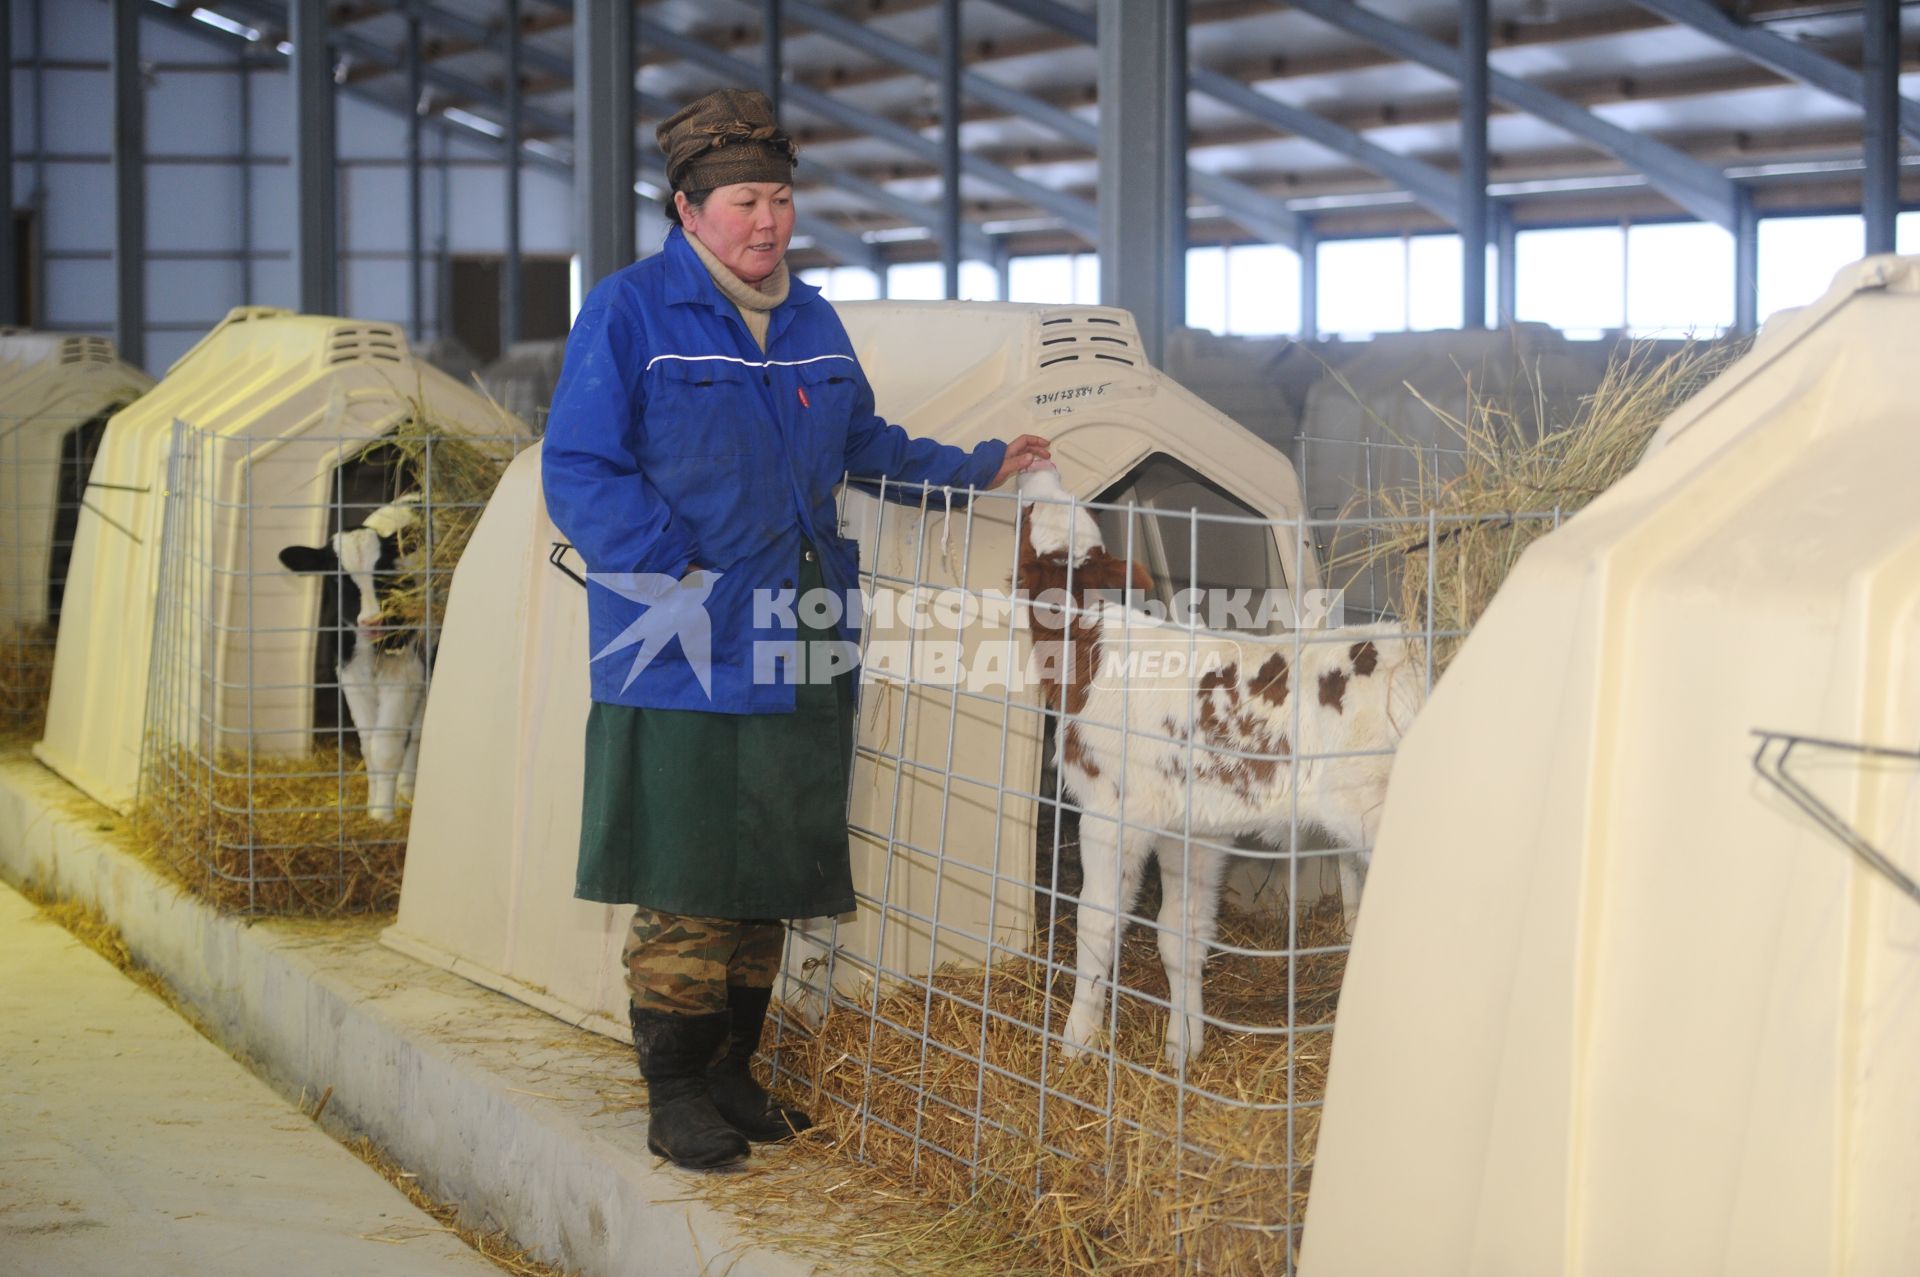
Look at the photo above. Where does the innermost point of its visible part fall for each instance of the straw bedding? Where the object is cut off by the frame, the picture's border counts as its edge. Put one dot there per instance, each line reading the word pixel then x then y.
pixel 1193 1181
pixel 274 835
pixel 26 677
pixel 1173 1182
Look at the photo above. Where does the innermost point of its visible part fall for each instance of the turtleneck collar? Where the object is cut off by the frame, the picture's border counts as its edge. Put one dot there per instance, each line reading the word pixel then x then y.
pixel 771 293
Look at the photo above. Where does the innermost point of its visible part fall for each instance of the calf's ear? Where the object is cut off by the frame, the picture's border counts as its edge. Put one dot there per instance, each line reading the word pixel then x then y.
pixel 307 558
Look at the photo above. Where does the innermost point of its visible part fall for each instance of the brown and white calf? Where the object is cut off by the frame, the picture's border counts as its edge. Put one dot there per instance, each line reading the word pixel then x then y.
pixel 382 669
pixel 1238 736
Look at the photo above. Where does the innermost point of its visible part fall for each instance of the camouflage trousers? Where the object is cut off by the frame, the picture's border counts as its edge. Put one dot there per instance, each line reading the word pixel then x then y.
pixel 681 965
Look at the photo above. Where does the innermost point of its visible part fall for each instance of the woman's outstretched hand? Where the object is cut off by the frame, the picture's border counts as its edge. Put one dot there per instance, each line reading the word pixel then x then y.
pixel 1021 453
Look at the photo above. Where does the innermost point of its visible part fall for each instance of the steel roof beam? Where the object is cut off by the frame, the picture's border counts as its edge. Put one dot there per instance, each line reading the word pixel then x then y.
pixel 1433 187
pixel 1076 213
pixel 1776 53
pixel 977 241
pixel 1701 189
pixel 160 10
pixel 1429 185
pixel 836 240
pixel 1264 214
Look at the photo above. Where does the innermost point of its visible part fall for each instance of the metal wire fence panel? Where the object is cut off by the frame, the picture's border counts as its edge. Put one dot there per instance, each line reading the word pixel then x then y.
pixel 45 458
pixel 1111 813
pixel 301 583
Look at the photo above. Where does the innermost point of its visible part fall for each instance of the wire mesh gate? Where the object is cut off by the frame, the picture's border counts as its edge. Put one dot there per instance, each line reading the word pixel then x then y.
pixel 262 778
pixel 950 1057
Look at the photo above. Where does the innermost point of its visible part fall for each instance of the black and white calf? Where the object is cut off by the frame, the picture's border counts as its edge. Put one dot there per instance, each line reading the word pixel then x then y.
pixel 382 670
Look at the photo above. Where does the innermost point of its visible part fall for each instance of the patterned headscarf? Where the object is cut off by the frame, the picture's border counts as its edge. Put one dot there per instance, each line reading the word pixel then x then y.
pixel 725 137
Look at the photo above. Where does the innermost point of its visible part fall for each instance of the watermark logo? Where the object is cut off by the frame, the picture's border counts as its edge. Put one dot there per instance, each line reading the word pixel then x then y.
pixel 676 608
pixel 1144 641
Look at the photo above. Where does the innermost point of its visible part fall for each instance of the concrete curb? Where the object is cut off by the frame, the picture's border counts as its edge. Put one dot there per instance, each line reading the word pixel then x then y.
pixel 496 1106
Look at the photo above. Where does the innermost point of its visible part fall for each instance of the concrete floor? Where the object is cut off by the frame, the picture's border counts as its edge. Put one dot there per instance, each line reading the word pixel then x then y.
pixel 130 1144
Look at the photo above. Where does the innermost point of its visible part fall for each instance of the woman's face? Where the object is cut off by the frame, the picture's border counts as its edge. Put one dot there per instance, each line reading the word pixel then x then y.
pixel 746 225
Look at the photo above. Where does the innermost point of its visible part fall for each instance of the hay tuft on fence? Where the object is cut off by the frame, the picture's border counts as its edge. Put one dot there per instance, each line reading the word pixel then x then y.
pixel 454 475
pixel 1517 481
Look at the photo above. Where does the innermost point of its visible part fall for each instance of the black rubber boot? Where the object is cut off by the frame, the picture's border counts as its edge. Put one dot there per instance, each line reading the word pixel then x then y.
pixel 741 1100
pixel 682 1124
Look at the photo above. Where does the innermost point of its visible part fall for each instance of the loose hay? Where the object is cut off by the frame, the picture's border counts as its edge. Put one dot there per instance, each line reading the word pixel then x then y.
pixel 1211 1178
pixel 454 475
pixel 1515 483
pixel 272 835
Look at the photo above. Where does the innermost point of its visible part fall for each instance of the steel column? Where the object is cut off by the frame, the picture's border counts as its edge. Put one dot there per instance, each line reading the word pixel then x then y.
pixel 1746 263
pixel 39 194
pixel 316 239
pixel 9 276
pixel 510 262
pixel 1173 26
pixel 1506 262
pixel 950 145
pixel 775 47
pixel 1473 164
pixel 1309 280
pixel 416 264
pixel 129 184
pixel 1880 193
pixel 603 137
pixel 443 244
pixel 246 181
pixel 1136 166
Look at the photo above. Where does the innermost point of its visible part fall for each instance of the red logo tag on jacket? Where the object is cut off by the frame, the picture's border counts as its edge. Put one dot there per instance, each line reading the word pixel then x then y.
pixel 803 397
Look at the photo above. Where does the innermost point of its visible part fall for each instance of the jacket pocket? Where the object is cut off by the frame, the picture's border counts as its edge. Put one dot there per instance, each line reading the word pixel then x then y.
pixel 828 385
pixel 701 408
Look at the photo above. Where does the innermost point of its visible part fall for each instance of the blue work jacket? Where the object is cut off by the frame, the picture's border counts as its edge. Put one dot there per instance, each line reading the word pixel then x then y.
pixel 674 440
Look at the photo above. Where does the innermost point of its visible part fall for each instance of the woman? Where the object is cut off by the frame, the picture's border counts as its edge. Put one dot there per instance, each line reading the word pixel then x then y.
pixel 708 406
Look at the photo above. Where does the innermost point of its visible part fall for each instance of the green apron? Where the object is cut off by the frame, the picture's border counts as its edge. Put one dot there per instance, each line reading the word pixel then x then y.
pixel 722 815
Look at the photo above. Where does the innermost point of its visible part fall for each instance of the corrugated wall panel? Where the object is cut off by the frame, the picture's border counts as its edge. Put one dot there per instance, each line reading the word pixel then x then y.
pixel 197 292
pixel 209 99
pixel 376 289
pixel 79 209
pixel 194 207
pixel 80 294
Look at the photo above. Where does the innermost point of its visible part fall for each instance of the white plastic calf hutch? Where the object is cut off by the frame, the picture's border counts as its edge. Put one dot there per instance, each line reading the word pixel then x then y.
pixel 277 401
pixel 1619 1002
pixel 490 863
pixel 56 393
